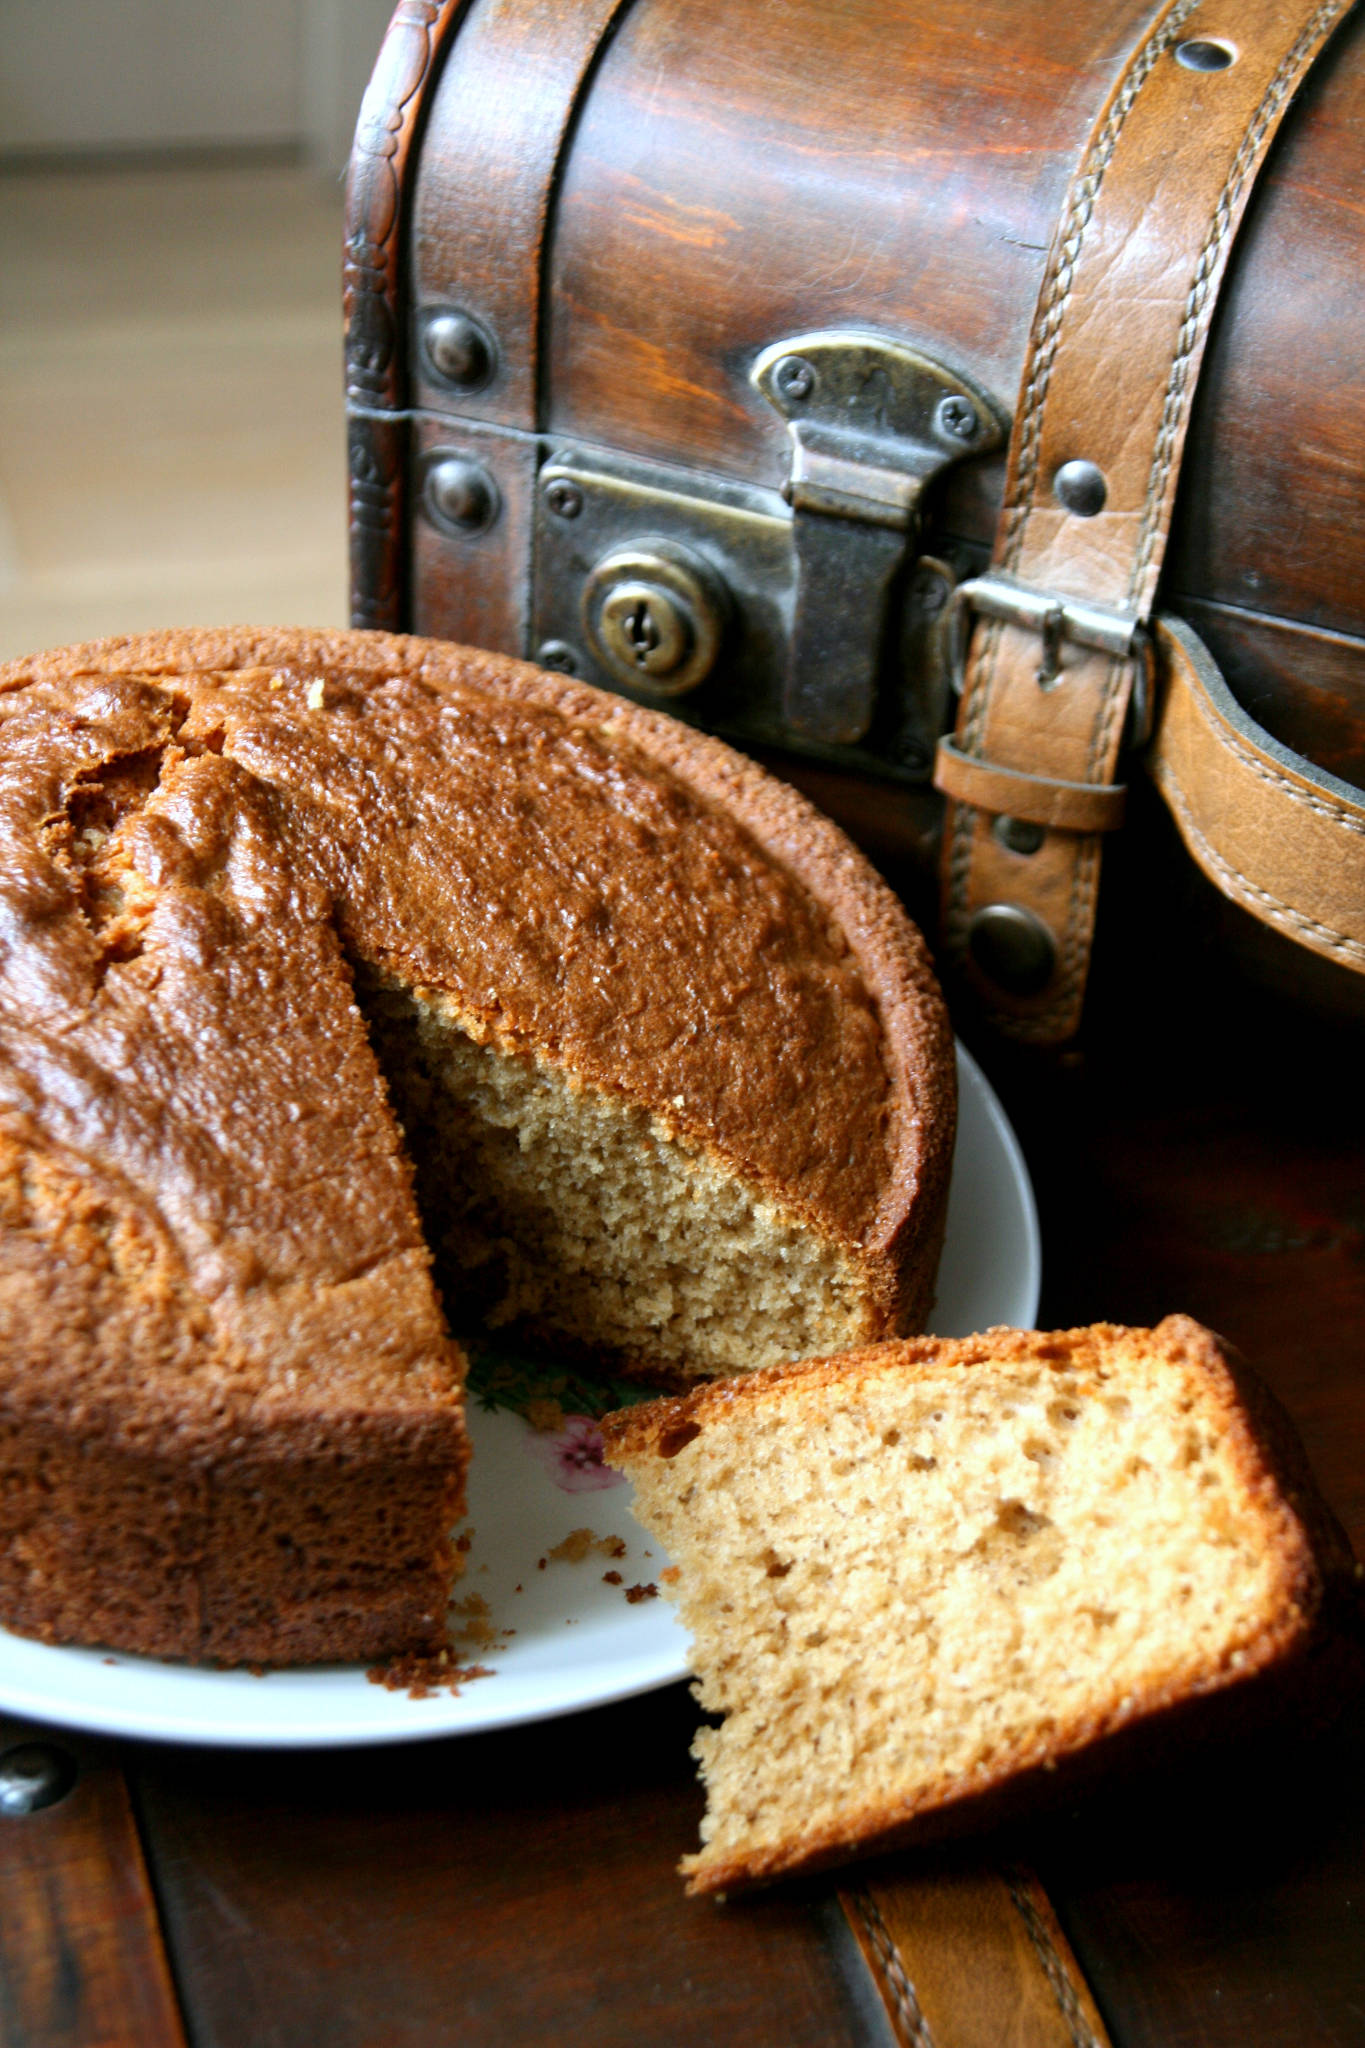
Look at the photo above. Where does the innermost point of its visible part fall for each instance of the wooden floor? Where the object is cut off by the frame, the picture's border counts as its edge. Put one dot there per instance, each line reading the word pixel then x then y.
pixel 171 423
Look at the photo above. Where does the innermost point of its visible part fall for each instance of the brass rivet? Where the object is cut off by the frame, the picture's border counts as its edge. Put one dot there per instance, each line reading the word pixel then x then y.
pixel 1013 948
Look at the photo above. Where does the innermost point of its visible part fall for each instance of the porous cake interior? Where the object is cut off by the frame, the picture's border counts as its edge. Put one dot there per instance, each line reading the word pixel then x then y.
pixel 937 1578
pixel 559 1209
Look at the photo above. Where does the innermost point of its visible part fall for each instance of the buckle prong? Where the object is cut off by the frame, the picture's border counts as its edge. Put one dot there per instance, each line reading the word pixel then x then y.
pixel 1057 620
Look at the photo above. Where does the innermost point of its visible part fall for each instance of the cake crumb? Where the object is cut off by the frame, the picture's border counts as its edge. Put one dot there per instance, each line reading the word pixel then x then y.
pixel 317 695
pixel 670 1574
pixel 580 1542
pixel 422 1674
pixel 474 1623
pixel 475 1620
pixel 463 1540
pixel 611 1578
pixel 545 1415
pixel 637 1593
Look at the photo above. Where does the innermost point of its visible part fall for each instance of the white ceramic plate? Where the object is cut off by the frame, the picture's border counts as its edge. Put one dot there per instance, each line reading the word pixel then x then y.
pixel 565 1637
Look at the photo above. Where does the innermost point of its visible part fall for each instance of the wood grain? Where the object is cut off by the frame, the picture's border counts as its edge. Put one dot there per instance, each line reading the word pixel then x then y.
pixel 737 176
pixel 483 188
pixel 1273 489
pixel 81 1959
pixel 638 200
pixel 494 1889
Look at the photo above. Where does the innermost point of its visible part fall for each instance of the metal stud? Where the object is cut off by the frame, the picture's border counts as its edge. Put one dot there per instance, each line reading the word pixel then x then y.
pixel 35 1775
pixel 1081 488
pixel 956 416
pixel 1013 948
pixel 459 495
pixel 564 498
pixel 558 654
pixel 929 591
pixel 458 349
pixel 794 377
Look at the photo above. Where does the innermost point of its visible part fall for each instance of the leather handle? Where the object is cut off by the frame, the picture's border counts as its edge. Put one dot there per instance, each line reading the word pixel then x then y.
pixel 1117 344
pixel 1281 838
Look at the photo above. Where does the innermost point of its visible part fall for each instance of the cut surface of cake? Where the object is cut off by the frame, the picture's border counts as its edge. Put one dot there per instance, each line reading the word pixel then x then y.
pixel 917 1575
pixel 325 953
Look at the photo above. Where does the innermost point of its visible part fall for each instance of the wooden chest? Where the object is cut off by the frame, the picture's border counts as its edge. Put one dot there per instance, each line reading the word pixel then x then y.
pixel 722 355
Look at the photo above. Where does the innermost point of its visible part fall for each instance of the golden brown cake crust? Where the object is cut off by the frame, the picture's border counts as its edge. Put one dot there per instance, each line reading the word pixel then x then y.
pixel 1313 1611
pixel 529 871
pixel 214 1278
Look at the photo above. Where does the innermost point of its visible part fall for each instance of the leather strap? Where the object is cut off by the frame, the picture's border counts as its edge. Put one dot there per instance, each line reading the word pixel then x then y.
pixel 1037 799
pixel 1280 837
pixel 963 1956
pixel 1117 343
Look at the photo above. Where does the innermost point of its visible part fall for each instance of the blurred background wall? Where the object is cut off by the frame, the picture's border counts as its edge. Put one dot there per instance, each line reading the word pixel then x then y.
pixel 171 426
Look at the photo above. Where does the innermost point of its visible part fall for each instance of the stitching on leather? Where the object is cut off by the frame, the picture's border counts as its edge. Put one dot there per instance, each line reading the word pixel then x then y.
pixel 975 694
pixel 1225 735
pixel 1113 703
pixel 1047 337
pixel 1324 937
pixel 1080 207
pixel 1044 351
pixel 1080 924
pixel 1221 228
pixel 910 2023
pixel 1054 1969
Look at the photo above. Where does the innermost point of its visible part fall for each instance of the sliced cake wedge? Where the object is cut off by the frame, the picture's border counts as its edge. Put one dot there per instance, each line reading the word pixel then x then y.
pixel 919 1575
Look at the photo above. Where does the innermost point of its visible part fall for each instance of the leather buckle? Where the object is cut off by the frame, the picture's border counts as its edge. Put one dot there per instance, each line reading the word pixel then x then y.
pixel 1057 620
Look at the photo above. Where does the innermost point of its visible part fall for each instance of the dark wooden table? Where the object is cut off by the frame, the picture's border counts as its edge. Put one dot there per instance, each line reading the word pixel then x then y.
pixel 1205 1154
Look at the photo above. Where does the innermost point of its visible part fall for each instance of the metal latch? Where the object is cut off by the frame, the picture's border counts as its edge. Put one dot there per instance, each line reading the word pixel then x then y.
pixel 871 422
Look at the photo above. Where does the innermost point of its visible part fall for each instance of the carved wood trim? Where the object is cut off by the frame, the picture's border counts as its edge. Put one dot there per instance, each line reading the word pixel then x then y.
pixel 387 133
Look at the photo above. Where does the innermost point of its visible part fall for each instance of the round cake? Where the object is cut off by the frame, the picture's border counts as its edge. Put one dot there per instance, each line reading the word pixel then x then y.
pixel 350 983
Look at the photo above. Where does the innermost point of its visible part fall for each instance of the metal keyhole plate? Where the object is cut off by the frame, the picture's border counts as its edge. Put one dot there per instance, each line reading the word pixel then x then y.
pixel 645 626
pixel 642 634
pixel 655 615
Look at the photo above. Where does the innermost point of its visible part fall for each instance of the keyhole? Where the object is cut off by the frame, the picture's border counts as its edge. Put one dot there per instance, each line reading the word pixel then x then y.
pixel 641 631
